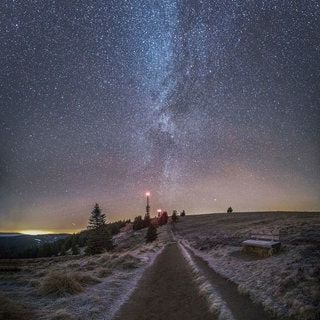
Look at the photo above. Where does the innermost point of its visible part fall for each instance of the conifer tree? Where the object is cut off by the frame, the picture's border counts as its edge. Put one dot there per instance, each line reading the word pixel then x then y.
pixel 163 218
pixel 138 223
pixel 97 218
pixel 74 246
pixel 230 210
pixel 174 217
pixel 99 237
pixel 151 233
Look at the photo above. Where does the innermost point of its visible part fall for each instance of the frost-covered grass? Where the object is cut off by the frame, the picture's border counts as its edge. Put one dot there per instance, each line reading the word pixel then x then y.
pixel 60 285
pixel 14 310
pixel 83 287
pixel 216 303
pixel 286 283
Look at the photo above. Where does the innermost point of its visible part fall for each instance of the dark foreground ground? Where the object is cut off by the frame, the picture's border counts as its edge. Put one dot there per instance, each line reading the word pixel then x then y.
pixel 168 291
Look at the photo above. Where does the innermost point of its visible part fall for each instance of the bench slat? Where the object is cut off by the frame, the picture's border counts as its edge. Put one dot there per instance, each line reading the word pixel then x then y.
pixel 261 243
pixel 267 237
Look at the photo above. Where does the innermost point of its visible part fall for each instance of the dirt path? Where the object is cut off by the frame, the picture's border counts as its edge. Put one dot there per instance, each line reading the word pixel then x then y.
pixel 166 291
pixel 241 307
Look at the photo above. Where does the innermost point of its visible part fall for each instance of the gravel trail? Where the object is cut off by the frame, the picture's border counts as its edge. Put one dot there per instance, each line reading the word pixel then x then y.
pixel 166 292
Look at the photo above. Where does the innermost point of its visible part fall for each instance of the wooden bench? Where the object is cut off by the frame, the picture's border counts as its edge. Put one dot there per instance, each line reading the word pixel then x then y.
pixel 264 244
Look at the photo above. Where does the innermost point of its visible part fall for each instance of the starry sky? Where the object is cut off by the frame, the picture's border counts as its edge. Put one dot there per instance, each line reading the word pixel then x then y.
pixel 205 104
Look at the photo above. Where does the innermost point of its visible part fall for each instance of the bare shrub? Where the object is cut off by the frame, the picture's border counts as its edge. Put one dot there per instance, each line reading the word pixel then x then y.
pixel 13 310
pixel 59 285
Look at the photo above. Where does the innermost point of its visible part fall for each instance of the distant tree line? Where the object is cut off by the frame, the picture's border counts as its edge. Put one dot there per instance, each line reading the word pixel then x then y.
pixel 139 223
pixel 96 238
pixel 152 224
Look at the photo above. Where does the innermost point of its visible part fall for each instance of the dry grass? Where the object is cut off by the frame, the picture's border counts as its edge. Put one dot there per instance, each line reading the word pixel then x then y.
pixel 126 262
pixel 75 287
pixel 62 315
pixel 119 261
pixel 11 310
pixel 64 284
pixel 286 283
pixel 59 285
pixel 85 279
pixel 104 272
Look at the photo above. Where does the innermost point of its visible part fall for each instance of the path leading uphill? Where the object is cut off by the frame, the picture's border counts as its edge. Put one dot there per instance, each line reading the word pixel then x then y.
pixel 168 291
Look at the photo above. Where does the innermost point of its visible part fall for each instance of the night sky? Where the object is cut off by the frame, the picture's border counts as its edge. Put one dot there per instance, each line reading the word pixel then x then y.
pixel 205 104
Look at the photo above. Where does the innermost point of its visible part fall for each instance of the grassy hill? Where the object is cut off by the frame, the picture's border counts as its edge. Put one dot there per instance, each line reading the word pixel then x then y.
pixel 286 283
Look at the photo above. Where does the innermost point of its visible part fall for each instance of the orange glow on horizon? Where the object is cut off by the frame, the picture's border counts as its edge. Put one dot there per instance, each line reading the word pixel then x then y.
pixel 36 232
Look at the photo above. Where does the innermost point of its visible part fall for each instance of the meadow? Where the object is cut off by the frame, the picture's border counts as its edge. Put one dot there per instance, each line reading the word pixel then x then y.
pixel 87 287
pixel 287 283
pixel 76 287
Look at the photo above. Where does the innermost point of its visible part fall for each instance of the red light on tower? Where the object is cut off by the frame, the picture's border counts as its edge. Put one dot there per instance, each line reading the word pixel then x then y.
pixel 148 205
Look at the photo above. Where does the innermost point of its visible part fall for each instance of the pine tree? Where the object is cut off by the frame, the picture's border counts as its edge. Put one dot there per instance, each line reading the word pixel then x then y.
pixel 174 217
pixel 74 246
pixel 99 237
pixel 151 233
pixel 75 250
pixel 230 210
pixel 97 218
pixel 138 223
pixel 163 218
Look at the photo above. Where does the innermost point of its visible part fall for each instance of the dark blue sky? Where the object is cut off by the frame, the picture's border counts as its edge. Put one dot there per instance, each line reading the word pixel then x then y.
pixel 205 104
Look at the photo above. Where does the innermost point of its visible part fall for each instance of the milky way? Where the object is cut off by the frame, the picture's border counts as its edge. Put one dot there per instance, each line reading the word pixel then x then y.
pixel 205 104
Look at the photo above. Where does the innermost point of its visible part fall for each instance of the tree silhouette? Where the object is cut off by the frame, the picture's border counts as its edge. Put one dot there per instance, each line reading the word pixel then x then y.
pixel 151 233
pixel 99 237
pixel 97 218
pixel 138 223
pixel 163 218
pixel 174 217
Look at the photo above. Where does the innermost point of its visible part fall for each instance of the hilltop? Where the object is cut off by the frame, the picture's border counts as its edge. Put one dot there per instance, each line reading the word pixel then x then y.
pixel 285 284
